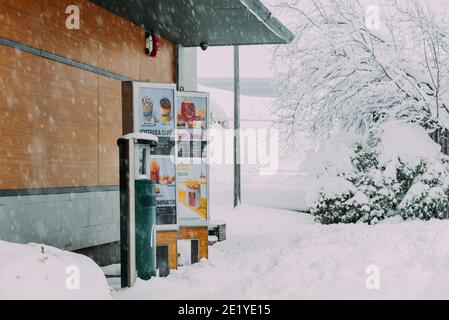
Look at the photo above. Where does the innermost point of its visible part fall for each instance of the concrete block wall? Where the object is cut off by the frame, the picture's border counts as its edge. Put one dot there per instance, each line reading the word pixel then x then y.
pixel 70 221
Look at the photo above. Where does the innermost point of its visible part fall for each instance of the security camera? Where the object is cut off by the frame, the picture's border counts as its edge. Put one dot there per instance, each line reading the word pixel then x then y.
pixel 204 46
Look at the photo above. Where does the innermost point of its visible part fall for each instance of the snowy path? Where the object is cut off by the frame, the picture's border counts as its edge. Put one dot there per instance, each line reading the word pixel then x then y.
pixel 278 254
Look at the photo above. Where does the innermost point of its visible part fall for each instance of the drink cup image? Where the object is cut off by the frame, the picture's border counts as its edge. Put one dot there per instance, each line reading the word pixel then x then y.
pixel 188 110
pixel 154 171
pixel 147 109
pixel 165 110
pixel 180 122
pixel 194 194
pixel 203 188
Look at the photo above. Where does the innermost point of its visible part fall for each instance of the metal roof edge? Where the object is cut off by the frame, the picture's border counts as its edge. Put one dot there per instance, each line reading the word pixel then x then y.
pixel 263 14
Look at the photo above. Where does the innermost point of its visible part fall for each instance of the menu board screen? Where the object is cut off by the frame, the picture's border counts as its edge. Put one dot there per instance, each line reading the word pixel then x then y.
pixel 192 192
pixel 155 112
pixel 191 170
pixel 162 171
pixel 191 117
pixel 191 125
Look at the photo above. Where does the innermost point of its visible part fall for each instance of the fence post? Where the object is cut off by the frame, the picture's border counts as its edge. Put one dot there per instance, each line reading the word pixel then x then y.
pixel 237 173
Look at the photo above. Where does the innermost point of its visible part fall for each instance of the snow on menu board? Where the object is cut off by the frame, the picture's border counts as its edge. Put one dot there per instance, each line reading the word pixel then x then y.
pixel 162 171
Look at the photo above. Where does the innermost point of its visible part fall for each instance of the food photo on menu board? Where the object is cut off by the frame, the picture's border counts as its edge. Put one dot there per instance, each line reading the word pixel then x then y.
pixel 191 117
pixel 162 172
pixel 156 111
pixel 192 191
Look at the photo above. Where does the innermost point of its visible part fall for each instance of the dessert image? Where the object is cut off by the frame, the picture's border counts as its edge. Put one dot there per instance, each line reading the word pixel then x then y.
pixel 165 110
pixel 147 109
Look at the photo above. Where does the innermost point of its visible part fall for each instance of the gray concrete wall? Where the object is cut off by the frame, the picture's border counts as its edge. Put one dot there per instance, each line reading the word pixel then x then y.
pixel 68 221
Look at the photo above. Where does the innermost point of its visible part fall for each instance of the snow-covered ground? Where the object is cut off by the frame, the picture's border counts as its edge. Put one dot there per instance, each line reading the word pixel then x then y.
pixel 276 254
pixel 38 272
pixel 269 254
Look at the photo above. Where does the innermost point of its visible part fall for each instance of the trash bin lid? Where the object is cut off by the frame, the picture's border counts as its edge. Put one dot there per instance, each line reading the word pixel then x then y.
pixel 142 138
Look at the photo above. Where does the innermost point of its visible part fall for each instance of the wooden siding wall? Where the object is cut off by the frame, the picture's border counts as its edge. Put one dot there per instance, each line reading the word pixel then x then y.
pixel 59 124
pixel 169 238
pixel 201 234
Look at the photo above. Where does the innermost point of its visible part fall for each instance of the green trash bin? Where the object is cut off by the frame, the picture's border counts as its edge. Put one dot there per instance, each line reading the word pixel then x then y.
pixel 145 195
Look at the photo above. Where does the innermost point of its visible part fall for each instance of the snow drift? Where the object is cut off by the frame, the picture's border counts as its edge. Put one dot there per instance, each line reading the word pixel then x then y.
pixel 40 272
pixel 408 142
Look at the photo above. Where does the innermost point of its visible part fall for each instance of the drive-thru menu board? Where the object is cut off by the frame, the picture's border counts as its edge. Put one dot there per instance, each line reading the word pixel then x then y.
pixel 153 112
pixel 192 171
pixel 192 192
pixel 179 162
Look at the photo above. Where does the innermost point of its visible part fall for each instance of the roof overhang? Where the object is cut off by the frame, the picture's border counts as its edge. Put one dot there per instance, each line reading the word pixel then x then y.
pixel 215 22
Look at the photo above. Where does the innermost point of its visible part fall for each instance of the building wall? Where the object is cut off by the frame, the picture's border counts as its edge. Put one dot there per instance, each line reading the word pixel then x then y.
pixel 59 124
pixel 68 221
pixel 170 239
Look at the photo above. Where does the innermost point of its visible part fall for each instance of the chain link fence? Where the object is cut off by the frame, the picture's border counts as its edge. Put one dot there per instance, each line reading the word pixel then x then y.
pixel 268 154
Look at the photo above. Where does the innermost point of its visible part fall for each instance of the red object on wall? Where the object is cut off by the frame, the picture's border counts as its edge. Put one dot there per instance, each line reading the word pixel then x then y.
pixel 153 44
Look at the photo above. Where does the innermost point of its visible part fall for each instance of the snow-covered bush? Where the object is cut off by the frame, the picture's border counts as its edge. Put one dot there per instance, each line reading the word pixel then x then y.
pixel 407 173
pixel 372 195
pixel 339 75
pixel 346 207
pixel 390 177
pixel 424 202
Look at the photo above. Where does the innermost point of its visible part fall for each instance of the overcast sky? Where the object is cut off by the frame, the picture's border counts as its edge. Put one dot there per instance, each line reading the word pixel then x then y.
pixel 218 62
pixel 255 60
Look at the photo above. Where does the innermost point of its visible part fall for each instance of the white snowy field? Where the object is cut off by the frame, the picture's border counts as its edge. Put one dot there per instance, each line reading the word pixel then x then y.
pixel 276 254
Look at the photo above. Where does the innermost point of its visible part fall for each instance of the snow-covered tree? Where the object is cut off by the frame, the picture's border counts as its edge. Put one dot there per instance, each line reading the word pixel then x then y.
pixel 387 176
pixel 341 73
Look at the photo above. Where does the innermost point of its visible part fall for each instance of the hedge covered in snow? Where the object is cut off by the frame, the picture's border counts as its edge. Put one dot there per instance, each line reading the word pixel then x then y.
pixel 397 170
